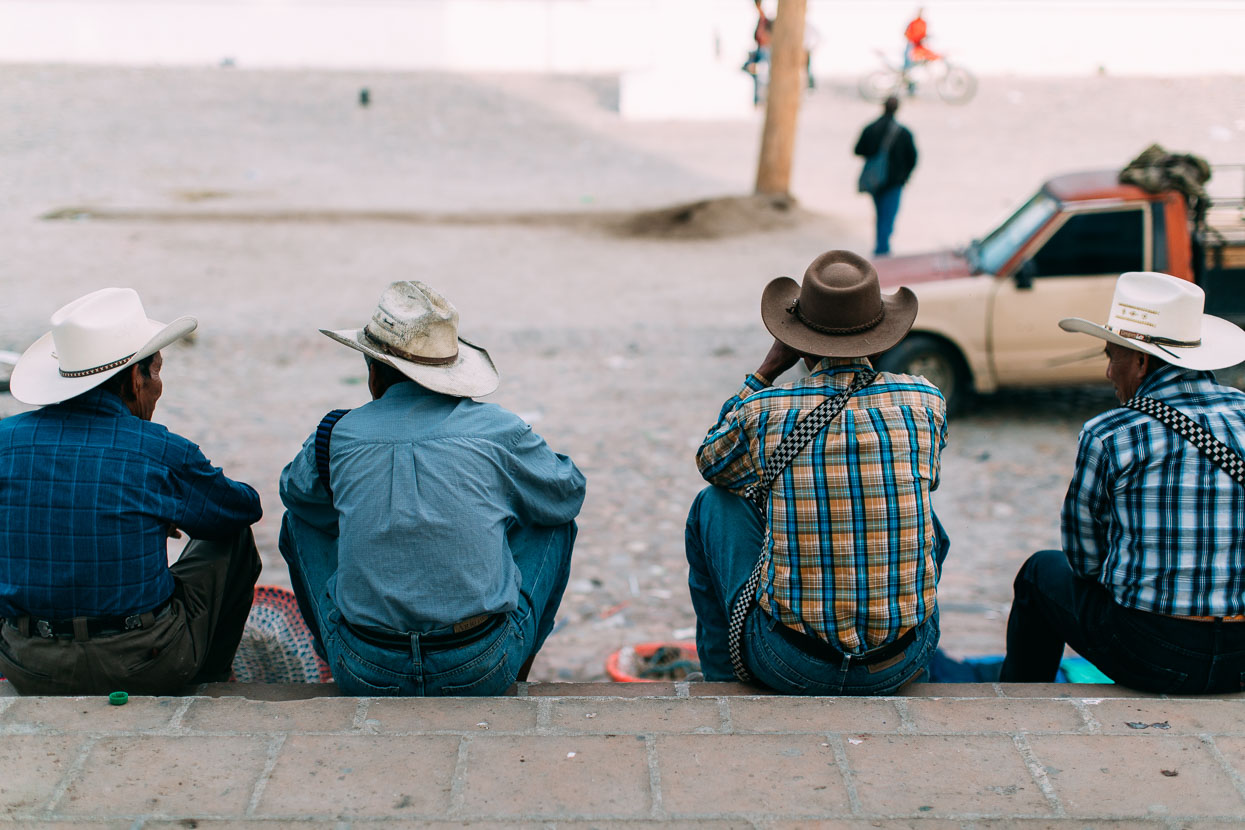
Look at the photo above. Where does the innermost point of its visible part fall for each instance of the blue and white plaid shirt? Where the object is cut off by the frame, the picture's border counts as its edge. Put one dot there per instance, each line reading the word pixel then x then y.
pixel 1152 519
pixel 88 492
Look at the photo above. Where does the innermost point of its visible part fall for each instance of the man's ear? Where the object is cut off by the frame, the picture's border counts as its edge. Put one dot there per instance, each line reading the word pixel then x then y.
pixel 129 383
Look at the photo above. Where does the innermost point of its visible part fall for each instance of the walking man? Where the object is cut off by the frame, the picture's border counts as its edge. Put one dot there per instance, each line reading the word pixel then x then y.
pixel 90 491
pixel 814 556
pixel 890 157
pixel 428 535
pixel 1150 584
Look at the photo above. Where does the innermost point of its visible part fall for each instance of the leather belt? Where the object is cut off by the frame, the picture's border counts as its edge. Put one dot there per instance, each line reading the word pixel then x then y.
pixel 1232 619
pixel 95 626
pixel 816 647
pixel 460 633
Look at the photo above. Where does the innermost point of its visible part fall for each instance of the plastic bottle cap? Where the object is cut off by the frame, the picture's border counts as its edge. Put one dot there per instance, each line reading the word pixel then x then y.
pixel 118 698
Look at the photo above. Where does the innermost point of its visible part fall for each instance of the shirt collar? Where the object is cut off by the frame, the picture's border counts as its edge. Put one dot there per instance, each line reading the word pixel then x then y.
pixel 97 402
pixel 1169 380
pixel 832 366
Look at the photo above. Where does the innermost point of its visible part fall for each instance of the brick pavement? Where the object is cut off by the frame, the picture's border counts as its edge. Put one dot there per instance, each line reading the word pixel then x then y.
pixel 627 755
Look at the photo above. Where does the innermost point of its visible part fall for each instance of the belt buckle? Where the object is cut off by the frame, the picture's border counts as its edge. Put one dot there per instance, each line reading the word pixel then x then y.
pixel 45 629
pixel 133 621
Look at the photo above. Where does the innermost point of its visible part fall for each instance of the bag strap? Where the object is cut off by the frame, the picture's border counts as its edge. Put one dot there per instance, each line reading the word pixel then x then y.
pixel 806 430
pixel 1219 453
pixel 892 133
pixel 324 432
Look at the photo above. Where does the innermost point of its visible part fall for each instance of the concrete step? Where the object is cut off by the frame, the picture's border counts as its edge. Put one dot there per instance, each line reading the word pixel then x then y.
pixel 627 755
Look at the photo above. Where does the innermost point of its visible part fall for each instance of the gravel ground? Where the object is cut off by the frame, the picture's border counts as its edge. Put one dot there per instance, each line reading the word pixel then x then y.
pixel 270 204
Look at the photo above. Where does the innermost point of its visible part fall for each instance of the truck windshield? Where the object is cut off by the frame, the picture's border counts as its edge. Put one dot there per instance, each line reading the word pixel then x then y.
pixel 995 250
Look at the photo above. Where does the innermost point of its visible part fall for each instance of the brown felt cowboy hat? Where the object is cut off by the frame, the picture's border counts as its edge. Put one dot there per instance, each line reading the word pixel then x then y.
pixel 839 310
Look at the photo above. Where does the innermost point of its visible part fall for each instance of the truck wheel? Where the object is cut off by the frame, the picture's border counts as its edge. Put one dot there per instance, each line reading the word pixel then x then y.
pixel 934 360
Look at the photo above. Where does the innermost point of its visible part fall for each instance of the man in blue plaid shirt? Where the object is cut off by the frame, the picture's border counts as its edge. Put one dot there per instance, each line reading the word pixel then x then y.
pixel 90 491
pixel 1150 584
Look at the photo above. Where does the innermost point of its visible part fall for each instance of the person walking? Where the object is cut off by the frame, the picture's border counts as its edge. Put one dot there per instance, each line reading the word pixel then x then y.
pixel 890 157
pixel 1148 585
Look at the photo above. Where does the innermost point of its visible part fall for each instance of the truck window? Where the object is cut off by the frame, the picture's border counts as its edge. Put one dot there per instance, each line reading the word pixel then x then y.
pixel 1158 220
pixel 995 250
pixel 1106 242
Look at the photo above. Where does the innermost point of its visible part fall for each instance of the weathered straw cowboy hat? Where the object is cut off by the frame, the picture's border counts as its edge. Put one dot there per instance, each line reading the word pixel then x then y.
pixel 839 310
pixel 1162 315
pixel 92 339
pixel 415 330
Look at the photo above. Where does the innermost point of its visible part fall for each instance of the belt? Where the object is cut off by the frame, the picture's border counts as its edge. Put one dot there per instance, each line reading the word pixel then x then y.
pixel 95 626
pixel 819 648
pixel 1232 619
pixel 460 633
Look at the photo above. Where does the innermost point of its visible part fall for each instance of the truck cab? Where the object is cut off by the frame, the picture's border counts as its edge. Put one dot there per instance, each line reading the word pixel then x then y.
pixel 989 312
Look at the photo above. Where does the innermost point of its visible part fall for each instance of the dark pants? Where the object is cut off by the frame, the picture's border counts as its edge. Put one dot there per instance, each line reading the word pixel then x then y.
pixel 886 205
pixel 1150 652
pixel 193 642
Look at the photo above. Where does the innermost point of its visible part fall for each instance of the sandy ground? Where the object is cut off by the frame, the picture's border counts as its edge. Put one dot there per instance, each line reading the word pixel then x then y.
pixel 270 204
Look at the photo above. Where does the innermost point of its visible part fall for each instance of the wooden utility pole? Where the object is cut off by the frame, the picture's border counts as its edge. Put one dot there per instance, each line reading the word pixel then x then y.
pixel 782 105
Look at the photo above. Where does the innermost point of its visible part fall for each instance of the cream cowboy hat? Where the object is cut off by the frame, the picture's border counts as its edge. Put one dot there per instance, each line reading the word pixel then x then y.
pixel 415 330
pixel 1162 315
pixel 92 339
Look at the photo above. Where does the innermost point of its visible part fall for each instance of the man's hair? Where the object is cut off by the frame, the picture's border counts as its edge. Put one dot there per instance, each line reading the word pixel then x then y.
pixel 116 383
pixel 891 105
pixel 386 374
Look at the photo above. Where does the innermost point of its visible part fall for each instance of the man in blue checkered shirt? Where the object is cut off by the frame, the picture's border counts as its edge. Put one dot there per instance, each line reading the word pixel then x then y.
pixel 1150 584
pixel 90 491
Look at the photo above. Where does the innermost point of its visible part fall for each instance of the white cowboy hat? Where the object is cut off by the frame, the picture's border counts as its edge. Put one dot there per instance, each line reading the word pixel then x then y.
pixel 1162 315
pixel 92 339
pixel 415 330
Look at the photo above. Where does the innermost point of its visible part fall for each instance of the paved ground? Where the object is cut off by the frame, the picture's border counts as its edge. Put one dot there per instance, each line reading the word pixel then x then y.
pixel 259 196
pixel 981 757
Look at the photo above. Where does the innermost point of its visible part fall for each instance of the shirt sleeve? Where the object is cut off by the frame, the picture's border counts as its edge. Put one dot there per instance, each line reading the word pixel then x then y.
pixel 213 506
pixel 724 458
pixel 304 495
pixel 1086 507
pixel 548 488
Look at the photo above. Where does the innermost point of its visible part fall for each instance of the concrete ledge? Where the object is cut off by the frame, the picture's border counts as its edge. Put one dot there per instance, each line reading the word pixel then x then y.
pixel 700 754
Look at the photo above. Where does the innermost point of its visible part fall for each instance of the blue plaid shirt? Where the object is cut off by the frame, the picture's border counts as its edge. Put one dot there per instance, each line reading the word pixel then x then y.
pixel 1152 519
pixel 88 492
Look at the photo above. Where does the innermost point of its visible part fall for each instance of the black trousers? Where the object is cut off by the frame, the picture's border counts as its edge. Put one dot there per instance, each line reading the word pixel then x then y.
pixel 1149 652
pixel 194 642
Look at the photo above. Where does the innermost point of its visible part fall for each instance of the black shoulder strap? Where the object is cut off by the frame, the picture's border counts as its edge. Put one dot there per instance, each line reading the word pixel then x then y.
pixel 1217 452
pixel 324 431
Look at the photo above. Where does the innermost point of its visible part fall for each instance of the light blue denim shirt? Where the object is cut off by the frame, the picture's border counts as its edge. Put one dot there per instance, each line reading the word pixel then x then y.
pixel 425 488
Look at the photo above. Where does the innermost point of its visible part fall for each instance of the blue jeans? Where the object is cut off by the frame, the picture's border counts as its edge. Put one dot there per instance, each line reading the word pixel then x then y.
pixel 1144 651
pixel 723 538
pixel 482 661
pixel 886 207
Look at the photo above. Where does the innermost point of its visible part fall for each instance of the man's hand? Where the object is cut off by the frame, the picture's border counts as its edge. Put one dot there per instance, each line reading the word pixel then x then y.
pixel 174 533
pixel 781 357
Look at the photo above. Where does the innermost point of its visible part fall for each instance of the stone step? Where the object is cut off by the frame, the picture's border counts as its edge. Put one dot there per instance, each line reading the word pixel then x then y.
pixel 627 756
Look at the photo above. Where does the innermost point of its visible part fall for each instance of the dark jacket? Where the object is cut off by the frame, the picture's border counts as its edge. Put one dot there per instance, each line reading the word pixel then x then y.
pixel 902 157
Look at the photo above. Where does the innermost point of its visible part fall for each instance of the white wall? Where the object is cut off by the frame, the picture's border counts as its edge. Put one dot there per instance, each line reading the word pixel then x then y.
pixel 1027 37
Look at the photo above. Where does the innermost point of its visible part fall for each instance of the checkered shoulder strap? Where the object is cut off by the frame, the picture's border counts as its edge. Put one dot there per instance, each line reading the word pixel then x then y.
pixel 788 448
pixel 1208 445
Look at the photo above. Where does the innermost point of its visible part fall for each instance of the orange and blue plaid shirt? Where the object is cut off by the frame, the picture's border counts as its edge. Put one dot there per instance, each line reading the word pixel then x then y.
pixel 855 548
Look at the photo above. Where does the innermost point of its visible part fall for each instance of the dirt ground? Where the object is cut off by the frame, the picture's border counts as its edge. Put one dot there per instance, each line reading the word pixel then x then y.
pixel 271 204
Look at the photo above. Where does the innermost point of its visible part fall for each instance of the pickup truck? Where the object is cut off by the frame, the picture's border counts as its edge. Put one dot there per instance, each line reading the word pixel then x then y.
pixel 989 312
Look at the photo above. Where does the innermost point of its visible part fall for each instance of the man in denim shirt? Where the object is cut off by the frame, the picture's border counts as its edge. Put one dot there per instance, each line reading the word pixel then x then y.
pixel 90 491
pixel 428 535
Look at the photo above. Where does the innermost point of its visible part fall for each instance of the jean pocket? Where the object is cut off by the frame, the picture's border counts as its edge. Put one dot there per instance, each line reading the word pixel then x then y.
pixel 1144 672
pixel 493 682
pixel 351 683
